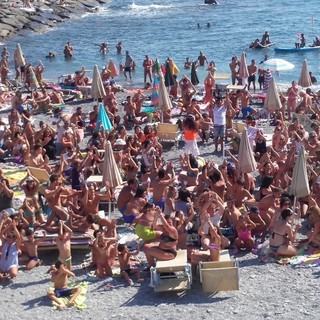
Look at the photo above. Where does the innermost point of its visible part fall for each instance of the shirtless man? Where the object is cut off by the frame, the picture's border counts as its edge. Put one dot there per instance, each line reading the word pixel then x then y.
pixel 147 65
pixel 161 184
pixel 138 98
pixel 234 68
pixel 202 59
pixel 64 244
pixel 37 160
pixel 119 47
pixel 130 110
pixel 126 194
pixel 252 69
pixel 30 247
pixel 68 51
pixel 241 194
pixel 59 277
pixel 105 254
pixel 246 109
pixel 53 195
pixel 268 204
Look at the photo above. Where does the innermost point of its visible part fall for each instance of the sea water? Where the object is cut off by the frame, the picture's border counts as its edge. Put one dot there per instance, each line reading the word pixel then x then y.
pixel 168 28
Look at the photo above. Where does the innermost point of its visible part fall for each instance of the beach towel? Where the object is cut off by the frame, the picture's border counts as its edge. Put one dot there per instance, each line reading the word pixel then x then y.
pixel 79 302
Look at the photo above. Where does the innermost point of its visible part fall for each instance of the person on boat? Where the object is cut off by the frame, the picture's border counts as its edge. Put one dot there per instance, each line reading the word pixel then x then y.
pixel 265 39
pixel 302 42
pixel 255 44
pixel 316 42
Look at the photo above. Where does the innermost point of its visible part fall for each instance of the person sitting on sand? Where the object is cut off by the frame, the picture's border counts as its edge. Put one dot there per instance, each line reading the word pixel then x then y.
pixel 243 228
pixel 59 277
pixel 314 234
pixel 30 247
pixel 283 235
pixel 126 267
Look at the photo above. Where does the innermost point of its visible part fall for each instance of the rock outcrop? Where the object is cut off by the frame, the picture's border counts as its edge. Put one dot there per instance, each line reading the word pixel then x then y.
pixel 16 19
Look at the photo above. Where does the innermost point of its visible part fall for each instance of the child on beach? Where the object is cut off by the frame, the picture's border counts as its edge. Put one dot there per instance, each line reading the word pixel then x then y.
pixel 30 247
pixel 243 228
pixel 190 131
pixel 105 253
pixel 64 244
pixel 126 268
pixel 205 126
pixel 59 278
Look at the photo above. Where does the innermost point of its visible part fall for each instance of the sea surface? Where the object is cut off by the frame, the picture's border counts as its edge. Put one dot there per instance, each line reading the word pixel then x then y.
pixel 169 29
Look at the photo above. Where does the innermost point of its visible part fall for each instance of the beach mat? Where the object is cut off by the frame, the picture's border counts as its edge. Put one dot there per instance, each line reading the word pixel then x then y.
pixel 79 302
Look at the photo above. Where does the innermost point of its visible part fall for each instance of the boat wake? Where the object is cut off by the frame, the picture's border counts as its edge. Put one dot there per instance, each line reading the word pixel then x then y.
pixel 149 7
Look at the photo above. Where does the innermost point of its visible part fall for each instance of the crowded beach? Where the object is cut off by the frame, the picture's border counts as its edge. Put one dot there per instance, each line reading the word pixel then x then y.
pixel 200 172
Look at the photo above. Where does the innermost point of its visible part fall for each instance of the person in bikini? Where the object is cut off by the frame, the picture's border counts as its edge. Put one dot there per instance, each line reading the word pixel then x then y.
pixel 59 277
pixel 243 228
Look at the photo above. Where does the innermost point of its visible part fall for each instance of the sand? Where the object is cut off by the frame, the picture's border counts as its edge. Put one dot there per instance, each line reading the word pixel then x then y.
pixel 267 291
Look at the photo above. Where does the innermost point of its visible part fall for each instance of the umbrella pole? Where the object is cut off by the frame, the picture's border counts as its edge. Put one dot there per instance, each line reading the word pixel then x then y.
pixel 109 209
pixel 294 209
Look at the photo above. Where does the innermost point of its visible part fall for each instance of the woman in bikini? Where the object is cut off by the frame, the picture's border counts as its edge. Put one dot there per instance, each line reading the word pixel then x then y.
pixel 166 249
pixel 293 95
pixel 283 235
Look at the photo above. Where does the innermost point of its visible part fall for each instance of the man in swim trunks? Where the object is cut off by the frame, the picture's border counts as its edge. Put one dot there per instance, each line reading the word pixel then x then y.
pixel 147 65
pixel 64 244
pixel 59 277
pixel 202 59
pixel 252 69
pixel 126 194
pixel 128 65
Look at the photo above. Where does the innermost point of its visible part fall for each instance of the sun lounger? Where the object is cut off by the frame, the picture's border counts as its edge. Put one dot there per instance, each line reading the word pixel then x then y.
pixel 172 275
pixel 221 275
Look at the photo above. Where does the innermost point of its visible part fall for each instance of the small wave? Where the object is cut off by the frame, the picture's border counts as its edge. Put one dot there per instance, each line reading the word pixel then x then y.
pixel 151 6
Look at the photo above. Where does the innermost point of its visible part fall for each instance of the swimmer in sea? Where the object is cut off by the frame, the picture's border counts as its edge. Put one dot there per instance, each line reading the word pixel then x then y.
pixel 51 55
pixel 104 48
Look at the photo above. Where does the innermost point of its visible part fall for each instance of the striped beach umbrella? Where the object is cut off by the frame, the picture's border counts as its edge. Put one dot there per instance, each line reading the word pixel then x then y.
pixel 155 91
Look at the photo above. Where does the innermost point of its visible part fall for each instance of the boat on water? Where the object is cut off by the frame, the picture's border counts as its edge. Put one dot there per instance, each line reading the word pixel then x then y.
pixel 294 50
pixel 261 46
pixel 215 2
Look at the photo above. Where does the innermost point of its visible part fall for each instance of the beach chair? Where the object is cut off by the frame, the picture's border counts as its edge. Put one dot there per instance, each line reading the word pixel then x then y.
pixel 222 275
pixel 168 132
pixel 172 275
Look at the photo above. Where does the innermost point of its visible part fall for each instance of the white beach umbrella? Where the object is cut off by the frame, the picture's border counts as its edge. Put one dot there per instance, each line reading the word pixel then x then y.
pixel 34 85
pixel 305 79
pixel 164 99
pixel 277 65
pixel 97 88
pixel 272 101
pixel 246 160
pixel 19 57
pixel 243 70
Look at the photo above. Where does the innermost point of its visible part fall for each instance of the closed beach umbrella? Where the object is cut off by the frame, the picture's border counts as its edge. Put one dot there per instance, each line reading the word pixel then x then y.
pixel 272 101
pixel 299 184
pixel 275 65
pixel 305 79
pixel 103 120
pixel 113 69
pixel 110 171
pixel 19 57
pixel 243 69
pixel 168 78
pixel 97 88
pixel 267 80
pixel 194 75
pixel 246 160
pixel 34 85
pixel 173 67
pixel 155 91
pixel 164 100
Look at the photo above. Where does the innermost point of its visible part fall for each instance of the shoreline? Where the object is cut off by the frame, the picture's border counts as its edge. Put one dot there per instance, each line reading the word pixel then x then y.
pixel 16 20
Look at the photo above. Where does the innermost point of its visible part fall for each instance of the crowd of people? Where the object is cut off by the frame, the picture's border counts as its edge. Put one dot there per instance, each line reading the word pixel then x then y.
pixel 199 205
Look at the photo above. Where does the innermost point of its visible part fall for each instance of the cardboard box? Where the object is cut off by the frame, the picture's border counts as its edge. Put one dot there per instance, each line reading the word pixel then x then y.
pixel 219 276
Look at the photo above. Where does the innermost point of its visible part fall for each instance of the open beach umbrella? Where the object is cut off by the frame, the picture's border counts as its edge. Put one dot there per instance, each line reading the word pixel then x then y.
pixel 110 170
pixel 305 79
pixel 164 100
pixel 113 69
pixel 275 65
pixel 19 57
pixel 168 78
pixel 272 101
pixel 194 75
pixel 103 120
pixel 243 69
pixel 246 160
pixel 34 85
pixel 97 88
pixel 299 186
pixel 155 91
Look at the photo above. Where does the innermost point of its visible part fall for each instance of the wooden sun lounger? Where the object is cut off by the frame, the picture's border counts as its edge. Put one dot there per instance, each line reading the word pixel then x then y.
pixel 172 275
